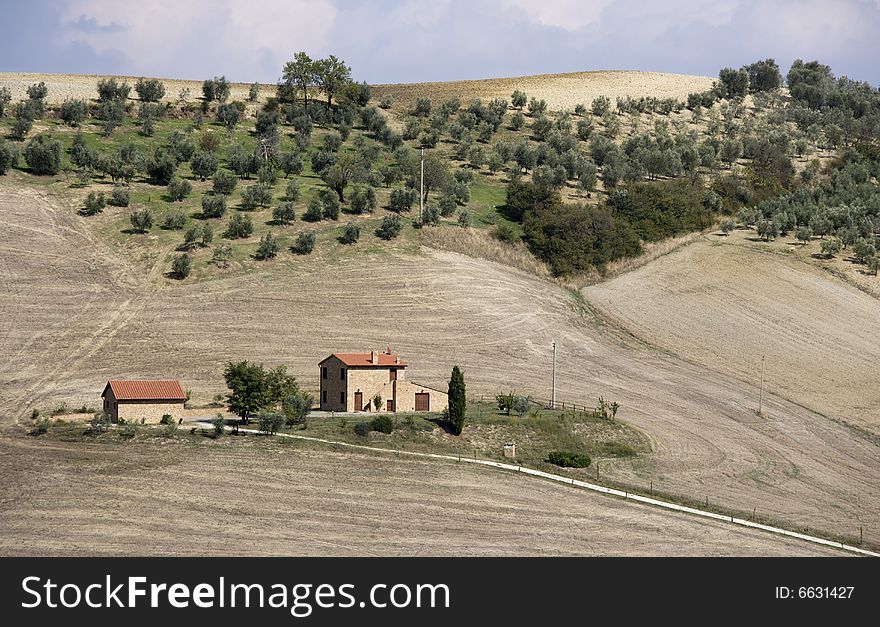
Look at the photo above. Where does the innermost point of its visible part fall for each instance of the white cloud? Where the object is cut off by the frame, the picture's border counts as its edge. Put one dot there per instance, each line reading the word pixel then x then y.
pixel 185 38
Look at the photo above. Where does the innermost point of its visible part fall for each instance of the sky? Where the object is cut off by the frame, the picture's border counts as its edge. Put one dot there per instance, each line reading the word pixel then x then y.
pixel 402 41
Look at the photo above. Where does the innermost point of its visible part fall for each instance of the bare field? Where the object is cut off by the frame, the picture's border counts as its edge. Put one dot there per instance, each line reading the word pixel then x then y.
pixel 724 303
pixel 561 91
pixel 78 314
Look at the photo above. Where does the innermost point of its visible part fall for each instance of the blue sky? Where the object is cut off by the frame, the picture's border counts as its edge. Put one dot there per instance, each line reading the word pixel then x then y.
pixel 408 41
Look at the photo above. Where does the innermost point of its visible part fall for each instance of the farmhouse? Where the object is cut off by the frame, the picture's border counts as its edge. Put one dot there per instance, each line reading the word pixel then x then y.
pixel 134 401
pixel 351 381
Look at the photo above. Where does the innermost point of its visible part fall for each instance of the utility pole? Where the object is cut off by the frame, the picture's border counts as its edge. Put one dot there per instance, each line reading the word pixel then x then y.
pixel 553 378
pixel 422 189
pixel 761 395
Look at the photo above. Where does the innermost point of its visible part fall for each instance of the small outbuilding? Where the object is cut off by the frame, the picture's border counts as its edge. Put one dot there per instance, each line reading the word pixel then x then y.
pixel 143 400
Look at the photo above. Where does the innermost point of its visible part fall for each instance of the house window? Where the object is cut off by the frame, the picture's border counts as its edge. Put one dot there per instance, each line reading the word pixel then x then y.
pixel 323 396
pixel 342 374
pixel 323 372
pixel 342 397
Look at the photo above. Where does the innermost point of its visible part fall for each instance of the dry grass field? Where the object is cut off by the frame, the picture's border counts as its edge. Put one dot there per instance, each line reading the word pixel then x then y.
pixel 561 91
pixel 725 302
pixel 77 314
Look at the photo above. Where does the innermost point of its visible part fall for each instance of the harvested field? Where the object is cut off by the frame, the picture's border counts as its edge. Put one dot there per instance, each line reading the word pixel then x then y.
pixel 78 314
pixel 724 305
pixel 561 91
pixel 189 500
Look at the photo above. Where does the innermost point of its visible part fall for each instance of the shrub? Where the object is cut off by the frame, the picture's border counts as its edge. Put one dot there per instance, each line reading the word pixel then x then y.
pixel 109 89
pixel 41 425
pixel 181 266
pixel 161 167
pixel 390 228
pixel 213 206
pixel 95 203
pixel 141 220
pixel 314 212
pixel 268 247
pixel 464 218
pixel 258 195
pixel 518 99
pixel 239 227
pixel 362 429
pixel 43 155
pixel 402 200
pixel 291 191
pixel 179 189
pixel 8 156
pixel 330 204
pixel 174 221
pixel 382 424
pixel 120 196
pixel 291 163
pixel 504 232
pixel 363 199
pixel 350 233
pixel 423 107
pixel 270 421
pixel 73 112
pixel 387 101
pixel 222 255
pixel 267 175
pixel 99 423
pixel 728 225
pixel 284 214
pixel 228 114
pixel 149 89
pixel 224 183
pixel 568 460
pixel 203 165
pixel 520 405
pixel 304 243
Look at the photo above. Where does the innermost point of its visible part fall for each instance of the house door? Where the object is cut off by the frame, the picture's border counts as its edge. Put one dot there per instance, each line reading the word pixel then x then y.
pixel 423 401
pixel 389 404
pixel 358 401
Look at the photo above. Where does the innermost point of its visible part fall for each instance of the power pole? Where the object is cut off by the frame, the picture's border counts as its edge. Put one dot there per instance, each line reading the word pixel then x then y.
pixel 553 378
pixel 422 189
pixel 761 395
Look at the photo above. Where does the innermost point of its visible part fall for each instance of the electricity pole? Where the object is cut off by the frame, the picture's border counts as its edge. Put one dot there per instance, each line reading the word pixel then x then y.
pixel 553 389
pixel 761 395
pixel 422 188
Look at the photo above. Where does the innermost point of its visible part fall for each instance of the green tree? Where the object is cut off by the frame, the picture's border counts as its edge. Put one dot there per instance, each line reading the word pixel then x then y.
pixel 518 99
pixel 390 228
pixel 8 156
pixel 240 226
pixel 764 75
pixel 43 155
pixel 350 233
pixel 284 213
pixel 73 112
pixel 203 165
pixel 229 115
pixel 332 76
pixel 181 266
pixel 300 74
pixel 457 401
pixel 149 89
pixel 179 189
pixel 141 220
pixel 249 388
pixel 734 83
pixel 268 247
pixel 304 243
pixel 224 183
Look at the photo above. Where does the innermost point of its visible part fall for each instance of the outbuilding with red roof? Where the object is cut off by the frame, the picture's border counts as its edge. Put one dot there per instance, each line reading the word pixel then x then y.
pixel 143 401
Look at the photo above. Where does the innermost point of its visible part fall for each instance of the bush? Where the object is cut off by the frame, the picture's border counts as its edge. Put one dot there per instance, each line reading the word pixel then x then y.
pixel 284 214
pixel 213 206
pixel 222 255
pixel 181 266
pixel 174 221
pixel 402 200
pixel 224 183
pixel 382 424
pixel 505 233
pixel 95 203
pixel 73 112
pixel 270 421
pixel 350 233
pixel 568 460
pixel 387 101
pixel 109 89
pixel 330 204
pixel 161 167
pixel 304 243
pixel 141 220
pixel 120 196
pixel 268 247
pixel 8 156
pixel 99 423
pixel 314 212
pixel 258 195
pixel 228 114
pixel 239 227
pixel 203 165
pixel 179 189
pixel 390 228
pixel 43 155
pixel 464 218
pixel 149 89
pixel 362 429
pixel 423 107
pixel 41 425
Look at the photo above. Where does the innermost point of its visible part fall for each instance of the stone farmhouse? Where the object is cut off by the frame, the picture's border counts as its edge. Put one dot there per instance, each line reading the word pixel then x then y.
pixel 134 401
pixel 350 382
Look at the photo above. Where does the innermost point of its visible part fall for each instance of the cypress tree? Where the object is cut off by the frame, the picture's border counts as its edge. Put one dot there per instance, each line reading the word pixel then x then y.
pixel 457 401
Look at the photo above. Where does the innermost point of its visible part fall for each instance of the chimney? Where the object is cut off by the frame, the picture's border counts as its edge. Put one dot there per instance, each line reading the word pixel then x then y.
pixel 374 358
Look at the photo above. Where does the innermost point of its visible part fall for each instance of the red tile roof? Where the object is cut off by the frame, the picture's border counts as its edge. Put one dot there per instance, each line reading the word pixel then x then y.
pixel 152 390
pixel 363 360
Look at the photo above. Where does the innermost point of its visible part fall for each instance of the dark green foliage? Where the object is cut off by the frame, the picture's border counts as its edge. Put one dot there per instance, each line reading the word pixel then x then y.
pixel 457 401
pixel 505 233
pixel 174 221
pixel 216 88
pixel 382 424
pixel 181 266
pixel 181 146
pixel 291 163
pixel 24 121
pixel 141 220
pixel 243 163
pixel 229 115
pixel 203 165
pixel 239 227
pixel 8 156
pixel 258 195
pixel 304 243
pixel 390 228
pixel 362 429
pixel 268 247
pixel 764 75
pixel 120 196
pixel 43 155
pixel 734 83
pixel 363 199
pixel 179 189
pixel 149 89
pixel 314 212
pixel 661 209
pixel 567 459
pixel 330 205
pixel 95 203
pixel 284 213
pixel 296 406
pixel 249 385
pixel 161 167
pixel 112 114
pixel 267 175
pixel 267 122
pixel 73 112
pixel 213 206
pixel 523 196
pixel 350 233
pixel 423 107
pixel 402 200
pixel 291 191
pixel 109 90
pixel 224 183
pixel 518 99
